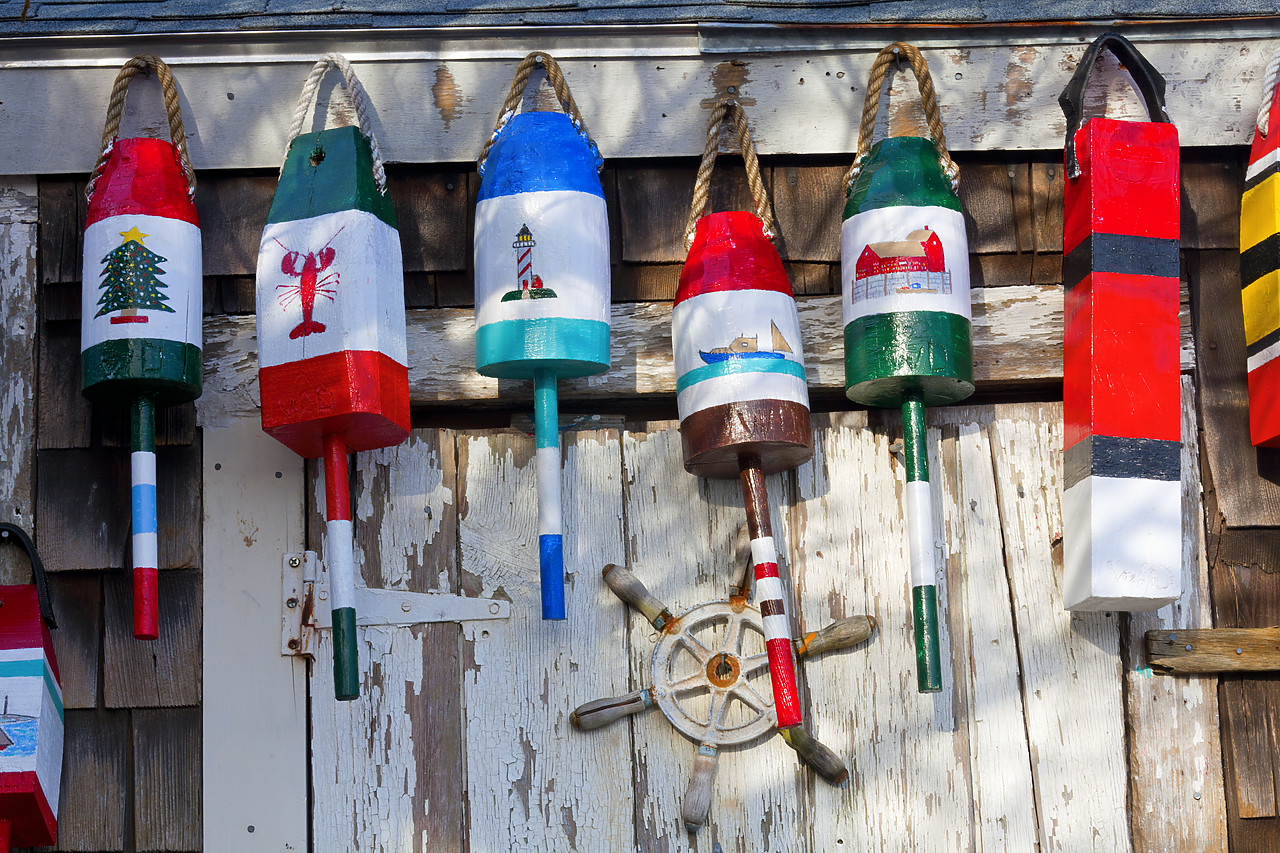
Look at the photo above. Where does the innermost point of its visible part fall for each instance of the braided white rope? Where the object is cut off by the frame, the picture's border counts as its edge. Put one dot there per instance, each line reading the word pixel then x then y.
pixel 1269 80
pixel 354 93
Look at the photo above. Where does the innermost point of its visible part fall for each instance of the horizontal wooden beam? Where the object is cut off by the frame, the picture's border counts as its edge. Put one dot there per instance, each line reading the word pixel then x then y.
pixel 1017 337
pixel 645 92
pixel 1205 650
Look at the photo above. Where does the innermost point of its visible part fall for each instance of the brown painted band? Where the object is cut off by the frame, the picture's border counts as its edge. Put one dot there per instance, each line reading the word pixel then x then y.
pixel 777 431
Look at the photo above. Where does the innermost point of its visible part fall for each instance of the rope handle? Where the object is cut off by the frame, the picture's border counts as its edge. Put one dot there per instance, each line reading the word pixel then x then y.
pixel 354 93
pixel 928 102
pixel 1150 85
pixel 115 111
pixel 12 532
pixel 1270 78
pixel 515 95
pixel 702 186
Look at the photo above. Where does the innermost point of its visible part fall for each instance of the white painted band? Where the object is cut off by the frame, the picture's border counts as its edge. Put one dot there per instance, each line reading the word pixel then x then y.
pixel 547 462
pixel 1266 161
pixel 769 588
pixel 1263 356
pixel 146 551
pixel 777 627
pixel 920 533
pixel 142 465
pixel 48 759
pixel 339 559
pixel 763 550
pixel 741 388
pixel 710 320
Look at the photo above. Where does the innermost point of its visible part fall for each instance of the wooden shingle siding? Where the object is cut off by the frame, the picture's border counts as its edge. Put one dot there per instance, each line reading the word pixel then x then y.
pixel 166 779
pixel 96 786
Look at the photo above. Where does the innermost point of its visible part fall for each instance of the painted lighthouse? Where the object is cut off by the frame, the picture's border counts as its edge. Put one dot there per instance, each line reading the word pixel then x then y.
pixel 529 283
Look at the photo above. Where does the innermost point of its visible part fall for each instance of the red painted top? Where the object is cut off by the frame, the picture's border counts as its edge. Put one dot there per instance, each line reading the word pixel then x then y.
pixel 730 252
pixel 142 175
pixel 1128 183
pixel 21 625
pixel 1264 145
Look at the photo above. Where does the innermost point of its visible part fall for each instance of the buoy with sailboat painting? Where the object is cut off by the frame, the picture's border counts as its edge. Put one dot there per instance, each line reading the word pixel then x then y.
pixel 745 346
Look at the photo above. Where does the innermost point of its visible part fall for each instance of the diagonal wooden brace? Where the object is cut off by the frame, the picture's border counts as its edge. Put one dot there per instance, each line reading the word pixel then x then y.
pixel 1206 650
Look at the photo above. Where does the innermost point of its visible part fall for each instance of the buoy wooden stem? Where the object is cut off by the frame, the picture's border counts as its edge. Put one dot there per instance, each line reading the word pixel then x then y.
pixel 769 594
pixel 924 590
pixel 340 557
pixel 546 426
pixel 142 462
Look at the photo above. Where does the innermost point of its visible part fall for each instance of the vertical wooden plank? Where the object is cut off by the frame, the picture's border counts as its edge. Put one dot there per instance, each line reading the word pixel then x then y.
pixel 386 767
pixel 1210 210
pixel 533 783
pixel 62 212
pixel 808 204
pixel 431 209
pixel 233 210
pixel 908 761
pixel 165 672
pixel 166 774
pixel 95 781
pixel 986 193
pixel 82 508
pixel 1047 185
pixel 1250 729
pixel 66 416
pixel 681 530
pixel 77 604
pixel 254 753
pixel 1071 668
pixel 655 207
pixel 18 220
pixel 1176 782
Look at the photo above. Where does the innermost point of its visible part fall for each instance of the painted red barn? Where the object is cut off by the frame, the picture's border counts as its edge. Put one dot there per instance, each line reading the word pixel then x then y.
pixel 916 264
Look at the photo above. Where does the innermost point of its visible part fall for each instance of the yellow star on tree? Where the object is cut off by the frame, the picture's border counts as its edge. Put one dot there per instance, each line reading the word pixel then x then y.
pixel 133 234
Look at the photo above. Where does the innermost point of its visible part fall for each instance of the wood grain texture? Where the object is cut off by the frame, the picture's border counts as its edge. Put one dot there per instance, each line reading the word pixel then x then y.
pixel 65 416
pixel 233 210
pixel 986 195
pixel 808 204
pixel 645 282
pixel 654 207
pixel 95 781
pixel 18 226
pixel 1211 650
pixel 532 782
pixel 77 604
pixel 1047 185
pixel 166 781
pixel 163 673
pixel 1249 709
pixel 1176 783
pixel 431 212
pixel 82 515
pixel 62 213
pixel 1070 662
pixel 404 733
pixel 1210 207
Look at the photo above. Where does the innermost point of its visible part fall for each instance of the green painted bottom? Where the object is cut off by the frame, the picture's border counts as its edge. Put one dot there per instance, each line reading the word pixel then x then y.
pixel 886 355
pixel 346 660
pixel 924 608
pixel 169 371
pixel 517 349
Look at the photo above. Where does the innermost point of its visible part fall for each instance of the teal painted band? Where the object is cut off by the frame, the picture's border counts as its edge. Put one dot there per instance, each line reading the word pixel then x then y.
pixel 33 668
pixel 913 438
pixel 546 418
pixel 346 660
pixel 732 366
pixel 169 371
pixel 924 608
pixel 888 355
pixel 518 349
pixel 142 425
pixel 900 171
pixel 55 692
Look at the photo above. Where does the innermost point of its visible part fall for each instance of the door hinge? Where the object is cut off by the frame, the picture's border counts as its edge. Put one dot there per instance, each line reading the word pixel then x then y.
pixel 305 609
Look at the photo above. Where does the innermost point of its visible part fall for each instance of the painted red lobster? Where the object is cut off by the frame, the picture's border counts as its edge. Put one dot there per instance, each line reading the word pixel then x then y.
pixel 309 283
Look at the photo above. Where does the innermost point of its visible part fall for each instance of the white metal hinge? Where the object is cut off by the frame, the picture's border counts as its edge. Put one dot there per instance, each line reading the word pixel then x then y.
pixel 305 609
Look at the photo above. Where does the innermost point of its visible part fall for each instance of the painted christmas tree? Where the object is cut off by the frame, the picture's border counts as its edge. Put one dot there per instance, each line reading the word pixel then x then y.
pixel 131 278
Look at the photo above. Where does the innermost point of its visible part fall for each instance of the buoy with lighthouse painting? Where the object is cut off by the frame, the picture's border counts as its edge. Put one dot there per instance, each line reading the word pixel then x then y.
pixel 531 286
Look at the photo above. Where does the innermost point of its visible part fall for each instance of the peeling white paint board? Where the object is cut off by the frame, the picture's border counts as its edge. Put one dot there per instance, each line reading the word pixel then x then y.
pixel 681 531
pixel 906 755
pixel 533 782
pixel 18 224
pixel 1071 667
pixel 385 766
pixel 1175 749
pixel 255 699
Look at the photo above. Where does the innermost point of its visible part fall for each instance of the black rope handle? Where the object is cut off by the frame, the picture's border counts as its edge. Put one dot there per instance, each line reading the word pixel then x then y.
pixel 1150 86
pixel 11 532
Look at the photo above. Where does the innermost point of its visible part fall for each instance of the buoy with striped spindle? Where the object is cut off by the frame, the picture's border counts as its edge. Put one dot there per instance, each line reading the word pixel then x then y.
pixel 142 302
pixel 904 276
pixel 332 361
pixel 542 277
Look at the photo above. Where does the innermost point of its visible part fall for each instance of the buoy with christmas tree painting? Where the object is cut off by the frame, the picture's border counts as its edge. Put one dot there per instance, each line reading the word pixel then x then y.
pixel 542 278
pixel 332 359
pixel 141 302
pixel 907 336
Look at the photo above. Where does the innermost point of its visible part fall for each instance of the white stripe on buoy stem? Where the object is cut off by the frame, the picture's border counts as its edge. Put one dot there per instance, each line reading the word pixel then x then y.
pixel 920 533
pixel 547 469
pixel 339 555
pixel 145 537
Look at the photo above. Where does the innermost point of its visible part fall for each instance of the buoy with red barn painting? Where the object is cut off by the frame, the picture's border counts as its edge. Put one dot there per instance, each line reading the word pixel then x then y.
pixel 142 302
pixel 31 712
pixel 542 278
pixel 332 361
pixel 744 406
pixel 908 333
pixel 1121 403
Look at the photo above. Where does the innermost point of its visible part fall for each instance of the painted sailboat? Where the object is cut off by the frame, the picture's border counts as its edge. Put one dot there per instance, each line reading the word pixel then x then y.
pixel 745 346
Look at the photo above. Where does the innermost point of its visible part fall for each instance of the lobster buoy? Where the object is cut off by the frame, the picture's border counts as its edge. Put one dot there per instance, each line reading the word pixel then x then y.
pixel 332 362
pixel 31 725
pixel 1122 413
pixel 142 301
pixel 542 278
pixel 904 259
pixel 1260 265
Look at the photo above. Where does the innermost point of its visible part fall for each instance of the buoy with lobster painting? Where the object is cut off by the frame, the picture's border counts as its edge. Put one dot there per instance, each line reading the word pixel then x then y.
pixel 332 361
pixel 141 303
pixel 542 278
